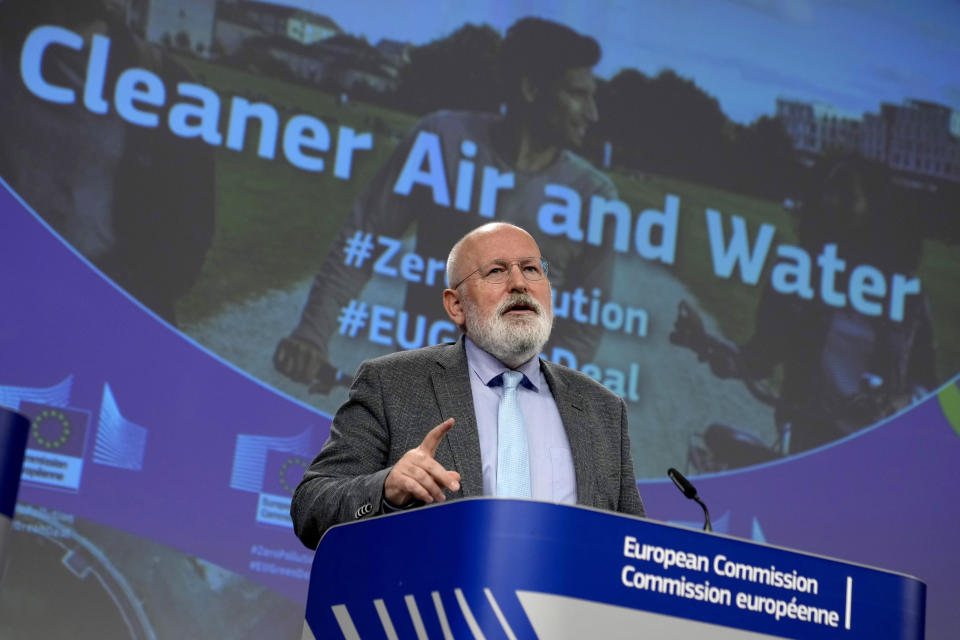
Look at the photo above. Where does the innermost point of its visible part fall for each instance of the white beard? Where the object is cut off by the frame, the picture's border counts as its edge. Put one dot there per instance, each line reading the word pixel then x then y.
pixel 511 340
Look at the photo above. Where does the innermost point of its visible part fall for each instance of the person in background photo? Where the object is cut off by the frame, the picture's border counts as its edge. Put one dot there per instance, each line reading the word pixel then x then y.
pixel 546 70
pixel 138 202
pixel 841 370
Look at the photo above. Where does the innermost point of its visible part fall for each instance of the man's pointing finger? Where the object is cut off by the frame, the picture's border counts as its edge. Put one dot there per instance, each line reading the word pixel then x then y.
pixel 436 434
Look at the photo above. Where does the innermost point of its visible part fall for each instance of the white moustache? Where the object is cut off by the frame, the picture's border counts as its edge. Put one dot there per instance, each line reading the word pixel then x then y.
pixel 519 299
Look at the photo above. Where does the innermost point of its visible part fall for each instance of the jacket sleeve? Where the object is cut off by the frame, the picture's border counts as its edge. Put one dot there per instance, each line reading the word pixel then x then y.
pixel 345 481
pixel 630 501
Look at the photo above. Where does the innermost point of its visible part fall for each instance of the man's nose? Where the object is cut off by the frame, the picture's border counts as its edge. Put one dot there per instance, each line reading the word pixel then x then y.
pixel 515 278
pixel 591 113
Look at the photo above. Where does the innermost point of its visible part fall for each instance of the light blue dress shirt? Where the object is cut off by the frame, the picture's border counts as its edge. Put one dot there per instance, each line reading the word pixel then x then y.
pixel 552 477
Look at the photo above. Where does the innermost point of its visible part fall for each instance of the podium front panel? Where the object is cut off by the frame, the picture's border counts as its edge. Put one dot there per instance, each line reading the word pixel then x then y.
pixel 496 568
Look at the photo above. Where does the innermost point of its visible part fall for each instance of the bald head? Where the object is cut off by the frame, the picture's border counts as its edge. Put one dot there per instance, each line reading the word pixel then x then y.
pixel 506 310
pixel 472 250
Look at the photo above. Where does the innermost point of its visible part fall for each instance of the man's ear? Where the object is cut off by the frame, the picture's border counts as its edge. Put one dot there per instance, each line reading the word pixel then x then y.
pixel 453 307
pixel 528 90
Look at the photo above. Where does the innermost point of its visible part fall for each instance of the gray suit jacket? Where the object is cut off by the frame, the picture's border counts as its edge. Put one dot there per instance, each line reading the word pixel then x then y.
pixel 396 399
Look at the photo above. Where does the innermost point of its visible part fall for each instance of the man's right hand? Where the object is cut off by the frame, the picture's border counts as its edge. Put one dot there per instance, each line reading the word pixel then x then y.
pixel 688 331
pixel 417 476
pixel 688 328
pixel 299 359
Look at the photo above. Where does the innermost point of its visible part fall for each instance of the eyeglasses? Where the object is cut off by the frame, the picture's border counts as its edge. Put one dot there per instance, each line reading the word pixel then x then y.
pixel 497 271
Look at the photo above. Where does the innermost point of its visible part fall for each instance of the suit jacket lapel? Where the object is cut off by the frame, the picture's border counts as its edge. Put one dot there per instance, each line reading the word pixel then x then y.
pixel 574 413
pixel 451 383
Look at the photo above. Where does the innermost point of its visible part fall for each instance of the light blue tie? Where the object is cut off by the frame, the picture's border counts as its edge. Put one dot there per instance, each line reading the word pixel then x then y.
pixel 513 456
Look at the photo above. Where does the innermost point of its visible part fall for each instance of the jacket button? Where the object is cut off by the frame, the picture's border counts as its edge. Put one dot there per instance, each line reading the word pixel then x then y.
pixel 362 511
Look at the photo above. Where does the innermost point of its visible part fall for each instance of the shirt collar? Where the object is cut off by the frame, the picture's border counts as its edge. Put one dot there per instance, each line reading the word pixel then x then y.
pixel 486 367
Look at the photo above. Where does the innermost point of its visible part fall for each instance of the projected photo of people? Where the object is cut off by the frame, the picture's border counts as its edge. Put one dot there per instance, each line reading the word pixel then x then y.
pixel 850 327
pixel 282 183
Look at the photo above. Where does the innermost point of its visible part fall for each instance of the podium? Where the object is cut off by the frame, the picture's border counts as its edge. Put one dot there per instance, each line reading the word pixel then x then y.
pixel 497 568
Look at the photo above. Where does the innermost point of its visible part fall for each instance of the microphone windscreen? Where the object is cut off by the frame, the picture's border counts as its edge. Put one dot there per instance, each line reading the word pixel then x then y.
pixel 682 483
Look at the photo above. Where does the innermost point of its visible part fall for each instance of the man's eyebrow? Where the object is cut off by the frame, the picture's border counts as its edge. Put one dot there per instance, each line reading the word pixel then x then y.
pixel 511 260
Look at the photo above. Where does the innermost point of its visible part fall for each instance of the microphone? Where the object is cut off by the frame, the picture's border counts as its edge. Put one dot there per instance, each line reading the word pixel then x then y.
pixel 689 491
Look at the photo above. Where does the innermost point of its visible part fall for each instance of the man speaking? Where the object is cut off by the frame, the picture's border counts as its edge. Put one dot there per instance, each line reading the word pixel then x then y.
pixel 483 416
